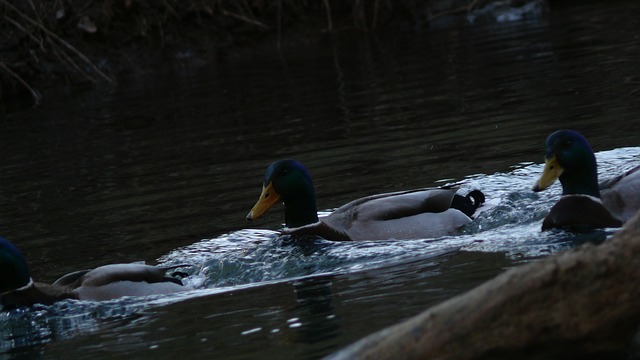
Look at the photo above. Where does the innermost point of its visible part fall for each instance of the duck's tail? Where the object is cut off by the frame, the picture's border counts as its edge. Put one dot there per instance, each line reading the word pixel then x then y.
pixel 468 204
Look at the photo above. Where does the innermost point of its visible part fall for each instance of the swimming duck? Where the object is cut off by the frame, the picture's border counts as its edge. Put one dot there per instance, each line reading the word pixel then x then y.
pixel 102 283
pixel 585 204
pixel 414 214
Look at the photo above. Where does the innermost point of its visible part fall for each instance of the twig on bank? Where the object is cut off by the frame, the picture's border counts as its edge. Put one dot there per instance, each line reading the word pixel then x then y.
pixel 36 96
pixel 279 24
pixel 168 6
pixel 247 8
pixel 473 5
pixel 461 9
pixel 53 35
pixel 24 30
pixel 243 18
pixel 63 56
pixel 376 8
pixel 359 15
pixel 329 20
pixel 449 12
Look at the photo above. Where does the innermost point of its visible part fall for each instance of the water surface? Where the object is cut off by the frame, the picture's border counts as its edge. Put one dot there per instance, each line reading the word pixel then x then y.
pixel 164 168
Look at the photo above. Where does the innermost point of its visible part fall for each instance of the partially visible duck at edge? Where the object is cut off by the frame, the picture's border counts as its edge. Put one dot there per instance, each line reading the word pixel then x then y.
pixel 102 283
pixel 585 204
pixel 413 214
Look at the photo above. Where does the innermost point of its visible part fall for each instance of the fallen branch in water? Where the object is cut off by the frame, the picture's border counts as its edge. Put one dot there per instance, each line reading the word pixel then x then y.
pixel 579 304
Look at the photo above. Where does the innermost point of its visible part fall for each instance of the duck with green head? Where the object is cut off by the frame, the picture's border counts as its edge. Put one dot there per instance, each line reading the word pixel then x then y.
pixel 585 204
pixel 102 283
pixel 414 214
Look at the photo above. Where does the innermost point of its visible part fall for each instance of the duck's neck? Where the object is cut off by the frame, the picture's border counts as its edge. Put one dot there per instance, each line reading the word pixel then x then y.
pixel 15 274
pixel 581 180
pixel 300 211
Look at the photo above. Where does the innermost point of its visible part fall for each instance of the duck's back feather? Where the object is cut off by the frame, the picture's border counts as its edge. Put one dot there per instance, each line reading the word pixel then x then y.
pixel 413 214
pixel 68 280
pixel 419 226
pixel 117 280
pixel 319 228
pixel 108 274
pixel 621 194
pixel 382 207
pixel 102 283
pixel 119 289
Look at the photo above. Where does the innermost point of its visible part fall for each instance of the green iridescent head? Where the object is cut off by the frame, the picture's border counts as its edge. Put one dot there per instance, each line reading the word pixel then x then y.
pixel 289 182
pixel 570 159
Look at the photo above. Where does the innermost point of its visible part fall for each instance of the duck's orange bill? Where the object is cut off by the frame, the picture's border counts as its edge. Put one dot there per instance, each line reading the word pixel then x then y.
pixel 268 198
pixel 551 173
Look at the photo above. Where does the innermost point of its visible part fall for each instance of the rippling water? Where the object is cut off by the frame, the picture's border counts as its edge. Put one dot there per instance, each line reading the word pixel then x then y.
pixel 165 167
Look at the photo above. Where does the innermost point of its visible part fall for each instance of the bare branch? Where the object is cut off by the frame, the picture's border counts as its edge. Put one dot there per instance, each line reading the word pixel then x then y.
pixel 60 40
pixel 36 96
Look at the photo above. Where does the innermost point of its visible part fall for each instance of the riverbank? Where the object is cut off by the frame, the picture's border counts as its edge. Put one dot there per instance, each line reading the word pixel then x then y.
pixel 52 43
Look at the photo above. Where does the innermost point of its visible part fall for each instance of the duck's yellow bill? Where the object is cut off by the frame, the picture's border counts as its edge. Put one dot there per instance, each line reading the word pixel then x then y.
pixel 551 173
pixel 268 198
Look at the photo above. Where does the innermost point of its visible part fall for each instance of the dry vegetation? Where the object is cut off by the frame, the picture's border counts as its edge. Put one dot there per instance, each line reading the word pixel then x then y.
pixel 70 41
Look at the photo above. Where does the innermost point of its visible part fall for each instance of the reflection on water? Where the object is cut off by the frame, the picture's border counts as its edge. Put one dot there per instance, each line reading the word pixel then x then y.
pixel 318 320
pixel 165 167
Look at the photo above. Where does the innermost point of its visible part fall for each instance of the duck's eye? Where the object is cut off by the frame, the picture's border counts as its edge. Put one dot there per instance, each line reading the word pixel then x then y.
pixel 284 172
pixel 566 144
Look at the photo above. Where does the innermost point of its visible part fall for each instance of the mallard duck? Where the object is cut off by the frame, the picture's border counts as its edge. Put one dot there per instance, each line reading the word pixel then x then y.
pixel 102 283
pixel 585 204
pixel 414 214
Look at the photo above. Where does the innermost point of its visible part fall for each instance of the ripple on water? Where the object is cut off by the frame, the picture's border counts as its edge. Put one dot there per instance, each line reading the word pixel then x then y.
pixel 509 223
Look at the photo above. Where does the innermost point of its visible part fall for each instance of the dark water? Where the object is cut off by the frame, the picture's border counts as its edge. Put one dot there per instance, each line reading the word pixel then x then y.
pixel 165 167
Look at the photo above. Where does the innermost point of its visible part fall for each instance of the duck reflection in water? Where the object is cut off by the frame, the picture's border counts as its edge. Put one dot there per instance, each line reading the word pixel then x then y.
pixel 317 320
